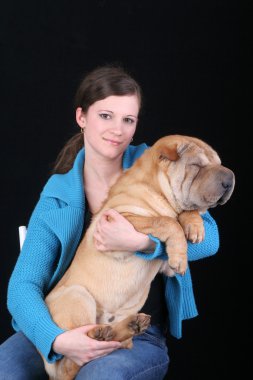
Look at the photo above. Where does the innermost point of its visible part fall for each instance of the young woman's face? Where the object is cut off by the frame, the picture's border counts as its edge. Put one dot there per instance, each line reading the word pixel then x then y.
pixel 110 124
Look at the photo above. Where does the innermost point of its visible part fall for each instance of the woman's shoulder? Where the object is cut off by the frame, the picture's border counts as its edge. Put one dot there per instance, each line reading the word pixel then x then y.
pixel 67 187
pixel 132 153
pixel 137 149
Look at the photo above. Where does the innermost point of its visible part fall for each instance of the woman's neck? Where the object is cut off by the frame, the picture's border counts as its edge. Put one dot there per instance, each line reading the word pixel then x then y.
pixel 99 176
pixel 104 172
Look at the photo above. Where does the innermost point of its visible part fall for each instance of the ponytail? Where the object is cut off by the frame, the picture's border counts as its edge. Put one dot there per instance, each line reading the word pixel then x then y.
pixel 65 159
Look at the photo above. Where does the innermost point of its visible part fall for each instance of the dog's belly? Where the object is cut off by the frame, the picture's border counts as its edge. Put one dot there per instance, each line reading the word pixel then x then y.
pixel 118 286
pixel 121 310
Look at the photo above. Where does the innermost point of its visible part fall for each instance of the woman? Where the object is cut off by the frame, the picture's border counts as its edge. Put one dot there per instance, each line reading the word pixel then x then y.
pixel 108 102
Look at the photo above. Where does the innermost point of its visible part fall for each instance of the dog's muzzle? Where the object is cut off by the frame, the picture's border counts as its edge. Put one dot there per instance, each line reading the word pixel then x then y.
pixel 227 185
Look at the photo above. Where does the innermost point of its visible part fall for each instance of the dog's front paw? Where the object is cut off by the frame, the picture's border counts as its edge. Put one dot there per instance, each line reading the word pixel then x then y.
pixel 194 232
pixel 178 264
pixel 139 323
pixel 193 226
pixel 101 332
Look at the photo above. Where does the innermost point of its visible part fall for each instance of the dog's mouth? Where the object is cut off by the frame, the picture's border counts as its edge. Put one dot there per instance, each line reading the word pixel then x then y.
pixel 224 198
pixel 214 201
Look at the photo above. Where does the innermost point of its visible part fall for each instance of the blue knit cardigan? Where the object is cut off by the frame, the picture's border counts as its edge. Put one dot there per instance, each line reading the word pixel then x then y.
pixel 53 234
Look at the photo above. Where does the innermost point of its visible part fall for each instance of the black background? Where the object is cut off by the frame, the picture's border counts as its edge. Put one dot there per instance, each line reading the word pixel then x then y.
pixel 184 54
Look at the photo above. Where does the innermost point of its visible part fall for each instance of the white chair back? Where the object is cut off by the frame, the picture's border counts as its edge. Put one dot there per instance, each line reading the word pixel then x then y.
pixel 22 235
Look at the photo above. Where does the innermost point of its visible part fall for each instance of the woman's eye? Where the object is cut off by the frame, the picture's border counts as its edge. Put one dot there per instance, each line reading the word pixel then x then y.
pixel 128 120
pixel 104 116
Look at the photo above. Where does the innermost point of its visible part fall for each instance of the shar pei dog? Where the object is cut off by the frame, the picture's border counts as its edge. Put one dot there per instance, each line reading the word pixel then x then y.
pixel 162 194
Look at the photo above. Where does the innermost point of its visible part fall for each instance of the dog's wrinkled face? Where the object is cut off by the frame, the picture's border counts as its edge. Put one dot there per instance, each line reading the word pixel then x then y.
pixel 197 180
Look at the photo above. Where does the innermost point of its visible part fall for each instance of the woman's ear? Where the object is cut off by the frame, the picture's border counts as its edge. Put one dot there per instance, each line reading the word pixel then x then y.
pixel 80 117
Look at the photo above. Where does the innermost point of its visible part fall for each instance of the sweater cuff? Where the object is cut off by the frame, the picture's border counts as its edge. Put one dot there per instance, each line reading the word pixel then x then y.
pixel 45 341
pixel 159 252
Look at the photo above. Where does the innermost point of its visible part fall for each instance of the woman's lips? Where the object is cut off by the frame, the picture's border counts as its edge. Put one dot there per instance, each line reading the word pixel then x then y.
pixel 113 142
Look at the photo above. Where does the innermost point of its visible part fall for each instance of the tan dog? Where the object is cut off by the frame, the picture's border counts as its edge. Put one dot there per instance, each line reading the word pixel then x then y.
pixel 162 194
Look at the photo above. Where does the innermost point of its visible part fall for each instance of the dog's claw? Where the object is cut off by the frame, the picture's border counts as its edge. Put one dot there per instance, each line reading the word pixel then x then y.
pixel 178 265
pixel 194 232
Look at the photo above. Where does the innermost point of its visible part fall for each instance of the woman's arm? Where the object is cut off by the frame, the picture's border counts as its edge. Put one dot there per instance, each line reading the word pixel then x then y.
pixel 119 234
pixel 29 281
pixel 114 232
pixel 28 287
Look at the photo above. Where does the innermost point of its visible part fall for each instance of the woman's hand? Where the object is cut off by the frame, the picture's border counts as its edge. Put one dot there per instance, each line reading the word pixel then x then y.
pixel 113 232
pixel 77 346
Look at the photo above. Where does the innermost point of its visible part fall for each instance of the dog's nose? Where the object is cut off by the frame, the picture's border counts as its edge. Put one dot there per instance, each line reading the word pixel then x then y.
pixel 227 179
pixel 227 182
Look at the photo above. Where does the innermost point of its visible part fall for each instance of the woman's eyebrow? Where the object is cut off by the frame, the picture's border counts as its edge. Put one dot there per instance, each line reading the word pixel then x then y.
pixel 104 110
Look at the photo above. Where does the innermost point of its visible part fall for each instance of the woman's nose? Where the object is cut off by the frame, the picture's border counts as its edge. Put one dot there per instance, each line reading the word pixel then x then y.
pixel 117 127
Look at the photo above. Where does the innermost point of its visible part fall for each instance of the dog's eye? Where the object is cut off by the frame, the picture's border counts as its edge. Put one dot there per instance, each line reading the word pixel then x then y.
pixel 194 168
pixel 195 165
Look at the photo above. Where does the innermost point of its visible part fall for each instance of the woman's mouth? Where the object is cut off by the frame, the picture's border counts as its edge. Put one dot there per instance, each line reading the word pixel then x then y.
pixel 112 142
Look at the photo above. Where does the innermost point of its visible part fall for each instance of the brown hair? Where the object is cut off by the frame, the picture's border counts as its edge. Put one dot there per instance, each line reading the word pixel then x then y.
pixel 100 83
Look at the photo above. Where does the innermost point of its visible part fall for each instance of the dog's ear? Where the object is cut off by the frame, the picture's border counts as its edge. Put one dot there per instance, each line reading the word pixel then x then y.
pixel 183 147
pixel 168 152
pixel 173 152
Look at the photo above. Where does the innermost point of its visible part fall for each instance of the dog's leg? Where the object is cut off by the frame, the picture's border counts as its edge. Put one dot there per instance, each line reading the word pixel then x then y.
pixel 167 230
pixel 193 226
pixel 70 307
pixel 124 330
pixel 128 343
pixel 64 369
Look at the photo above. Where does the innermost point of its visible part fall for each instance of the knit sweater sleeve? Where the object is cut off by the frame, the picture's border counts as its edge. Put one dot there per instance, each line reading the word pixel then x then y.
pixel 208 247
pixel 29 282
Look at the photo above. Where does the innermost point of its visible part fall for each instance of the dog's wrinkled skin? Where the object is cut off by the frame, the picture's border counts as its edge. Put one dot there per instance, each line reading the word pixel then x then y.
pixel 162 194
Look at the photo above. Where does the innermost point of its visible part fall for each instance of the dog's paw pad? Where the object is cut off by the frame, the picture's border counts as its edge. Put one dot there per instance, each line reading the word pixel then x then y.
pixel 102 333
pixel 144 321
pixel 139 323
